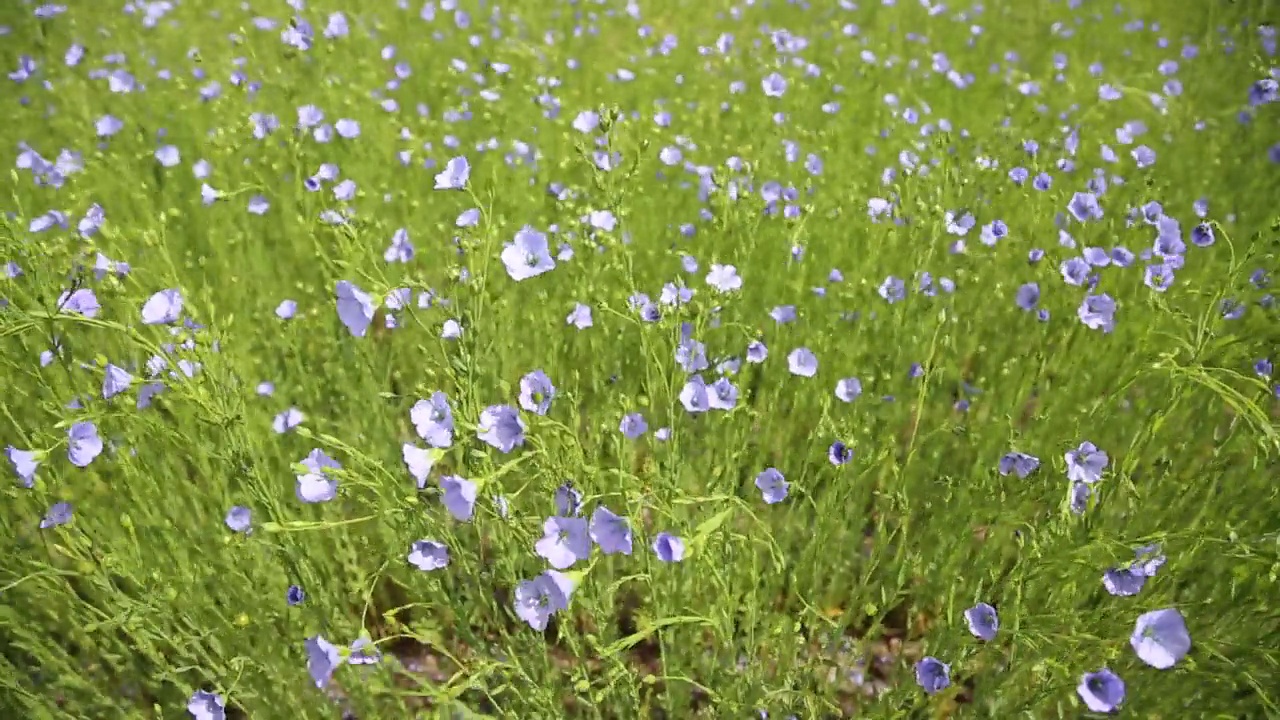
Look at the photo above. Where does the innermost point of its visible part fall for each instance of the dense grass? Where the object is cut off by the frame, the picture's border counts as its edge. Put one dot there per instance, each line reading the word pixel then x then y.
pixel 818 605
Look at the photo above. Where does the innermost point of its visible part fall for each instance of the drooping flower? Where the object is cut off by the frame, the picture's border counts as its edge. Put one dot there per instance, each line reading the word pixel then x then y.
pixel 568 500
pixel 1078 497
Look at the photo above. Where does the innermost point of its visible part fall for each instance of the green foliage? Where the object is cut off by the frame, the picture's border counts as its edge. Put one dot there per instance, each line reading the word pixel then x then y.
pixel 807 607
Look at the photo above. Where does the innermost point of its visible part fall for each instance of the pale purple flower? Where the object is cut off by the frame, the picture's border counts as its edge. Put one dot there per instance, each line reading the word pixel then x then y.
pixel 528 255
pixel 774 85
pixel 1123 582
pixel 364 652
pixel 1075 271
pixel 287 420
pixel 538 599
pixel 428 555
pixel 168 156
pixel 722 395
pixel 933 675
pixel 893 289
pixel 610 531
pixel 115 380
pixel 633 425
pixel 24 464
pixel 458 496
pixel 848 389
pixel 162 308
pixel 536 392
pixel 586 121
pixel 1098 312
pixel 433 420
pixel 565 541
pixel 568 500
pixel 1147 560
pixel 1028 296
pixel 205 705
pixel 983 621
pixel 316 485
pixel 323 658
pixel 355 307
pixel 694 396
pixel 1020 464
pixel 1084 207
pixel 58 514
pixel 418 461
pixel 724 278
pixel 1078 497
pixel 802 362
pixel 455 174
pixel 668 547
pixel 1160 638
pixel 239 519
pixel 1086 463
pixel 839 453
pixel 1101 691
pixel 579 317
pixel 772 485
pixel 501 428
pixel 83 443
pixel 347 128
pixel 401 248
